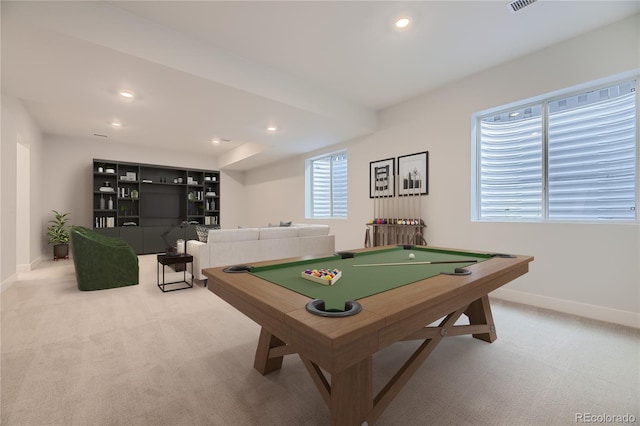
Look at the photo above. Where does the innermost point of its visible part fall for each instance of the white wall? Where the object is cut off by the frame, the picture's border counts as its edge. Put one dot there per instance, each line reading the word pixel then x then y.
pixel 18 127
pixel 590 270
pixel 23 204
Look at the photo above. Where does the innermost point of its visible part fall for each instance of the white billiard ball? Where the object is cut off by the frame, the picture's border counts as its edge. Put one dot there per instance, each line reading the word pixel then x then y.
pixel 412 256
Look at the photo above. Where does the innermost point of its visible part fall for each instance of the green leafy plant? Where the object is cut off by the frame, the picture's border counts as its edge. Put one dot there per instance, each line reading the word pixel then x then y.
pixel 58 232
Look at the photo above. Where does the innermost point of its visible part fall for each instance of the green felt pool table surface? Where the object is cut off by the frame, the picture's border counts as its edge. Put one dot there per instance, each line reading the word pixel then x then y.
pixel 358 282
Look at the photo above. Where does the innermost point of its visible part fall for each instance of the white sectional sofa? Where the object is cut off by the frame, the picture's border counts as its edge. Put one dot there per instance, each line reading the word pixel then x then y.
pixel 245 245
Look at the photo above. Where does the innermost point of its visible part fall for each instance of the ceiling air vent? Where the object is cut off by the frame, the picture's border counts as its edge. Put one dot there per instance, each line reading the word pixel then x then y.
pixel 516 5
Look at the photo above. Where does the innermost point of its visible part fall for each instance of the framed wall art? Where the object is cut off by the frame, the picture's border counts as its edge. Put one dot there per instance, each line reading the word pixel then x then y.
pixel 413 174
pixel 381 178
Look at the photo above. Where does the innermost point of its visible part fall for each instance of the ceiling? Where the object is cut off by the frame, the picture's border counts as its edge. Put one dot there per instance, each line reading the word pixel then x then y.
pixel 319 71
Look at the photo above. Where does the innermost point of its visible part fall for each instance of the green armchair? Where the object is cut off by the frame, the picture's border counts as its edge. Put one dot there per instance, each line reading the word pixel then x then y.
pixel 102 262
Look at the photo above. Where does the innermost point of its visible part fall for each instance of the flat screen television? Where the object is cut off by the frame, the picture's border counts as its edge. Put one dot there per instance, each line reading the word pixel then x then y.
pixel 158 205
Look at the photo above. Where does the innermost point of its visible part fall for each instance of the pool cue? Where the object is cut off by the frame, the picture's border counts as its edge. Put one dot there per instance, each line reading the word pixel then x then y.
pixel 413 200
pixel 395 199
pixel 416 193
pixel 419 237
pixel 375 202
pixel 420 209
pixel 435 262
pixel 404 203
pixel 374 205
pixel 409 200
pixel 386 212
pixel 416 190
pixel 385 207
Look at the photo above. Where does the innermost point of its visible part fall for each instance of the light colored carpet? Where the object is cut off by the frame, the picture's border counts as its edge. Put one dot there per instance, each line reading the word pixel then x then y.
pixel 137 356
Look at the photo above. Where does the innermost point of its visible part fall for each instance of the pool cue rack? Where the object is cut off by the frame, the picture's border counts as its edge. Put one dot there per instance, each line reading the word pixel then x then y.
pixel 382 234
pixel 397 212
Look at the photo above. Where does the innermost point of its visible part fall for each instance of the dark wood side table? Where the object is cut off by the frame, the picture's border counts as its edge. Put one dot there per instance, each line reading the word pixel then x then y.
pixel 182 259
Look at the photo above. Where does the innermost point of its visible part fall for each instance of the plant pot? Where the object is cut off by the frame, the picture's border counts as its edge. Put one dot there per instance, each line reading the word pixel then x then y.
pixel 60 251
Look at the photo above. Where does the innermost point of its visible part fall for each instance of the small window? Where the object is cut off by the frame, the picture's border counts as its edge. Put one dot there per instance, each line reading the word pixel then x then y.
pixel 567 158
pixel 326 186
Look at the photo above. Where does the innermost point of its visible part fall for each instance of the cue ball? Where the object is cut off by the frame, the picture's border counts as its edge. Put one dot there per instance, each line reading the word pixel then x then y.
pixel 412 256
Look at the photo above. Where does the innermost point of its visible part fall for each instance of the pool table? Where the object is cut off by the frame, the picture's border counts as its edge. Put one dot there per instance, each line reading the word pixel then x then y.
pixel 384 295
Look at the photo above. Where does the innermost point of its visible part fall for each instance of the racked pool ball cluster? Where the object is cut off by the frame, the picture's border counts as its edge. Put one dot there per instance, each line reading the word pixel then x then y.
pixel 322 276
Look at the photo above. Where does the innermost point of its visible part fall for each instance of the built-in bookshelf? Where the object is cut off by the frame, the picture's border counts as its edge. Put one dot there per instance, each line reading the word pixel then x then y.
pixel 138 199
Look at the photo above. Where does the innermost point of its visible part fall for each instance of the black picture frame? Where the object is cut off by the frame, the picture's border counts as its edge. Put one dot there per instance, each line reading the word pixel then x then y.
pixel 382 178
pixel 410 170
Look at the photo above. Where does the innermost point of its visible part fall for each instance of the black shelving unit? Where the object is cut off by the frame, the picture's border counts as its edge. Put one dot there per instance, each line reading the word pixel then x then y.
pixel 139 202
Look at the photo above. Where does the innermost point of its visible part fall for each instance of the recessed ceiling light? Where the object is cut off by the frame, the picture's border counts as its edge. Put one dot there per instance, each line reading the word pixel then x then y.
pixel 126 94
pixel 272 129
pixel 215 141
pixel 514 114
pixel 402 23
pixel 116 124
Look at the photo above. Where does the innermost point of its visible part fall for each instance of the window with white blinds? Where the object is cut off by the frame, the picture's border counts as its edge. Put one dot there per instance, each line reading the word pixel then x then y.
pixel 569 158
pixel 327 186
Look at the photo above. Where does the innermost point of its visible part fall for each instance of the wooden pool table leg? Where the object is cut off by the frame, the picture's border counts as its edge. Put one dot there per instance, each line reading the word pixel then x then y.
pixel 479 312
pixel 351 397
pixel 263 362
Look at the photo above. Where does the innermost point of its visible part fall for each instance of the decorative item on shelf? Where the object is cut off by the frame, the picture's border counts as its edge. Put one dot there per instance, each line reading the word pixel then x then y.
pixel 100 169
pixel 192 197
pixel 106 187
pixel 110 170
pixel 134 195
pixel 58 233
pixel 110 203
pixel 123 209
pixel 102 205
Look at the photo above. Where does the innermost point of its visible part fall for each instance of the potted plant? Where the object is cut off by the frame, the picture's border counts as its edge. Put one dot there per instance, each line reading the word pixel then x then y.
pixel 58 233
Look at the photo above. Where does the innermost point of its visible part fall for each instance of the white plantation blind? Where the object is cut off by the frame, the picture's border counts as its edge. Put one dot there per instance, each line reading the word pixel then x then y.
pixel 511 169
pixel 568 159
pixel 328 188
pixel 592 157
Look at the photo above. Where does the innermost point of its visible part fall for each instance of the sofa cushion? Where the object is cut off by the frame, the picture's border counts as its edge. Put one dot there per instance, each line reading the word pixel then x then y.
pixel 279 232
pixel 313 230
pixel 230 235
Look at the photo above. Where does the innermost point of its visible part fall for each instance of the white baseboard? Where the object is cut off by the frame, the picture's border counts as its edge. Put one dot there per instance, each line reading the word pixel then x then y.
pixel 8 282
pixel 28 267
pixel 25 267
pixel 601 313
